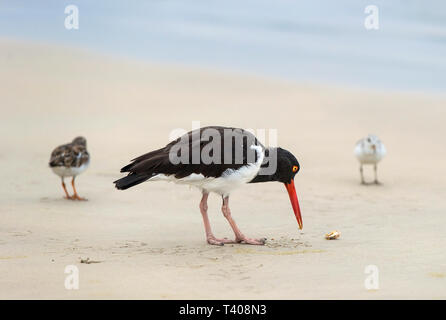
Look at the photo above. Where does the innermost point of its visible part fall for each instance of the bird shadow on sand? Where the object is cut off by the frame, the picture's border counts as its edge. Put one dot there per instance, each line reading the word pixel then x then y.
pixel 128 249
pixel 367 184
pixel 60 200
pixel 279 246
pixel 134 247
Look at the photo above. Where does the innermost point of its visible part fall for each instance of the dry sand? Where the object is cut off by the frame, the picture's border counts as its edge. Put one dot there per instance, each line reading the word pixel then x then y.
pixel 149 240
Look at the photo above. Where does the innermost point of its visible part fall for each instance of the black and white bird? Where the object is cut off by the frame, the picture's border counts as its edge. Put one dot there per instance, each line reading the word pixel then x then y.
pixel 369 151
pixel 216 159
pixel 70 160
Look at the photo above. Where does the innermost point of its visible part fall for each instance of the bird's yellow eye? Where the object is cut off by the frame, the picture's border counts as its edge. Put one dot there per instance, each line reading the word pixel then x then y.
pixel 295 168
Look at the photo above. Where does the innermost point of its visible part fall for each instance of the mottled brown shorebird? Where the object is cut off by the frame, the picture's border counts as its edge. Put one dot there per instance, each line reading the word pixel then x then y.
pixel 70 160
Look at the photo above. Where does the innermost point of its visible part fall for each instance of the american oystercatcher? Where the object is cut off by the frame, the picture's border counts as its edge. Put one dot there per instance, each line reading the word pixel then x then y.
pixel 369 150
pixel 70 160
pixel 216 159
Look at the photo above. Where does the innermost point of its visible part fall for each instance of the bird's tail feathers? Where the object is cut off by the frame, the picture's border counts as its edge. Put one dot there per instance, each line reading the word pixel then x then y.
pixel 142 169
pixel 131 180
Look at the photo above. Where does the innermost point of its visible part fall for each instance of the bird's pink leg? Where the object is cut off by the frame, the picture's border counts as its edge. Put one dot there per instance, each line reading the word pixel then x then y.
pixel 210 238
pixel 239 236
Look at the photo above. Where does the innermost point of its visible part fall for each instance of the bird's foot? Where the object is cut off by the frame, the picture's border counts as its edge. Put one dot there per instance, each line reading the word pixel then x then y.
pixel 76 197
pixel 219 242
pixel 377 182
pixel 259 242
pixel 69 197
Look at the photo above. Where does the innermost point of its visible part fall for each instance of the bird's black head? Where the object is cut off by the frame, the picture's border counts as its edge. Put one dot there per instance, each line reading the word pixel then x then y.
pixel 287 167
pixel 285 164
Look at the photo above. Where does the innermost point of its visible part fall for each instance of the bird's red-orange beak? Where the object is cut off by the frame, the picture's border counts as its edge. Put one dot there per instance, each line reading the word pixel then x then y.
pixel 294 202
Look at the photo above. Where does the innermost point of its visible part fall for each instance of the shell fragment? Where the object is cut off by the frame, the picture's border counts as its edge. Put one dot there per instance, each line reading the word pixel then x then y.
pixel 333 235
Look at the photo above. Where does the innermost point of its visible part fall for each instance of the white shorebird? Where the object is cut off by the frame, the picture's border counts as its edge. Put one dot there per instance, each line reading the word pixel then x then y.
pixel 369 150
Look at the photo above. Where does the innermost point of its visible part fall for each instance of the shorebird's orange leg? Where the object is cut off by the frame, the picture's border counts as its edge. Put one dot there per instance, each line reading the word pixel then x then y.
pixel 210 238
pixel 67 196
pixel 239 236
pixel 75 195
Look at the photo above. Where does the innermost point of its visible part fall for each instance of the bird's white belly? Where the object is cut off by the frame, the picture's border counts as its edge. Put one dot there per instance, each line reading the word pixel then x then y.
pixel 69 171
pixel 368 157
pixel 230 179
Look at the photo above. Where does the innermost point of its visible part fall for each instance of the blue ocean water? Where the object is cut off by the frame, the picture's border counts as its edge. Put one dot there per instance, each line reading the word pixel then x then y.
pixel 308 41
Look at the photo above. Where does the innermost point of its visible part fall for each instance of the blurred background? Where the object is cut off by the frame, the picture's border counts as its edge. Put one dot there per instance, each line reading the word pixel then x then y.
pixel 136 70
pixel 308 41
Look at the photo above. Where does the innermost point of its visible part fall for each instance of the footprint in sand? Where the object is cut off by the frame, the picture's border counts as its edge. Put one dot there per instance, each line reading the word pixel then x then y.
pixel 279 246
pixel 19 233
pixel 285 242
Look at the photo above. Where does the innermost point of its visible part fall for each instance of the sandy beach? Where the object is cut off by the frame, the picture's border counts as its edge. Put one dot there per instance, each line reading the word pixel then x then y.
pixel 149 241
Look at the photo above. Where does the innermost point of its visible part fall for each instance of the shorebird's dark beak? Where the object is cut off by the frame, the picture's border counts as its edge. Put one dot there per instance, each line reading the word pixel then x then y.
pixel 294 202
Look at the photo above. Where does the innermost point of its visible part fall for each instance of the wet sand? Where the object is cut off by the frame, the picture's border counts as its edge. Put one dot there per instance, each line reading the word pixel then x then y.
pixel 148 242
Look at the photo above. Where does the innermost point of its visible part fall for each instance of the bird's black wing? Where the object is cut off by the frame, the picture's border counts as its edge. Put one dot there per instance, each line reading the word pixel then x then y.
pixel 208 151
